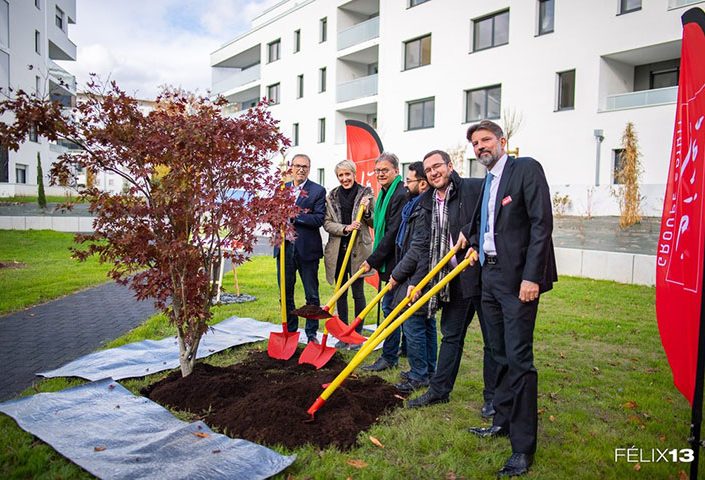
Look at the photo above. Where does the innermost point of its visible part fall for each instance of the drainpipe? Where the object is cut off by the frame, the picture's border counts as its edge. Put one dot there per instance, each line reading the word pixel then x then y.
pixel 598 143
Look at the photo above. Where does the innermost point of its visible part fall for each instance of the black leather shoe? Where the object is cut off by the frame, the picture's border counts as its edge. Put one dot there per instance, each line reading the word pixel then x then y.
pixel 518 464
pixel 426 399
pixel 380 365
pixel 487 410
pixel 487 432
pixel 313 340
pixel 410 386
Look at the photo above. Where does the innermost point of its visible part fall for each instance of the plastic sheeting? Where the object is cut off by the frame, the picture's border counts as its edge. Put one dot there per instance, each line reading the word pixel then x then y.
pixel 114 434
pixel 150 356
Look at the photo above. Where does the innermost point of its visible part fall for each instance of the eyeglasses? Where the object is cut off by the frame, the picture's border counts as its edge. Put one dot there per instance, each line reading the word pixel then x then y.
pixel 300 167
pixel 412 181
pixel 433 168
pixel 382 171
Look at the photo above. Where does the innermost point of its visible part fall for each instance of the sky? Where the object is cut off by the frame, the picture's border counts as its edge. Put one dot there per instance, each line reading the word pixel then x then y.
pixel 143 44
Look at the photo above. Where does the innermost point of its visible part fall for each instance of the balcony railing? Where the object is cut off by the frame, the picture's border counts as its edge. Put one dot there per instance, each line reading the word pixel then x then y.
pixel 359 33
pixel 237 79
pixel 642 98
pixel 358 88
pixel 61 77
pixel 237 109
pixel 681 3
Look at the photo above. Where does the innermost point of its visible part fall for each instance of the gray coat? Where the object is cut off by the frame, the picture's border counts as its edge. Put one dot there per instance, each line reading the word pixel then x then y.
pixel 331 224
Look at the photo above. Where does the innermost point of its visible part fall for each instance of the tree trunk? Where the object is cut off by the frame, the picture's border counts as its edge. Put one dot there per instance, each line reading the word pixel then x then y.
pixel 187 356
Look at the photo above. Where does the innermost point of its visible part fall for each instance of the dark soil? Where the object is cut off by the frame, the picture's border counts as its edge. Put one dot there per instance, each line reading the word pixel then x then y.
pixel 12 264
pixel 265 400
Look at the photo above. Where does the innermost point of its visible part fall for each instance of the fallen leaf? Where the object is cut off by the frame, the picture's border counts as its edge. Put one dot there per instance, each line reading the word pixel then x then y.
pixel 99 449
pixel 451 476
pixel 631 405
pixel 541 411
pixel 111 386
pixel 595 370
pixel 552 418
pixel 637 467
pixel 562 355
pixel 357 463
pixel 376 442
pixel 682 475
pixel 201 434
pixel 662 438
pixel 399 397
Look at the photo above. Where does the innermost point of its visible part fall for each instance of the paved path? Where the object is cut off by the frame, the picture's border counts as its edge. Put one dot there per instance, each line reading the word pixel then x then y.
pixel 49 335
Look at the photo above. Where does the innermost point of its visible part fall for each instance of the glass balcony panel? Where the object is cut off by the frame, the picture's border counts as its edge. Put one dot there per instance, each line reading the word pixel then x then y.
pixel 358 88
pixel 359 33
pixel 643 98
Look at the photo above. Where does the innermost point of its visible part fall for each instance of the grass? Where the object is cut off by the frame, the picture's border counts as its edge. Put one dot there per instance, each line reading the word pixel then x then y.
pixel 604 383
pixel 33 199
pixel 48 272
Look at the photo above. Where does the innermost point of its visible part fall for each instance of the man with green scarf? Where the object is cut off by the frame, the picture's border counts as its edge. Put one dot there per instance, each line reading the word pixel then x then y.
pixel 390 201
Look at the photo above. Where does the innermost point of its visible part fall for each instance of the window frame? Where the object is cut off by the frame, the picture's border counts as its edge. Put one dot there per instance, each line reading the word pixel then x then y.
pixel 322 79
pixel 420 39
pixel 539 28
pixel 485 111
pixel 300 86
pixel 624 11
pixel 616 161
pixel 278 44
pixel 322 130
pixel 37 42
pixel 59 17
pixel 295 134
pixel 415 3
pixel 322 177
pixel 655 73
pixel 6 26
pixel 559 90
pixel 21 167
pixel 492 17
pixel 323 30
pixel 422 101
pixel 297 40
pixel 271 100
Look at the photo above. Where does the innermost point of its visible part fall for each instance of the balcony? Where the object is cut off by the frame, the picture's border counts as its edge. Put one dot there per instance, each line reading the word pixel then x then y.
pixel 359 33
pixel 681 3
pixel 237 79
pixel 238 108
pixel 358 88
pixel 61 79
pixel 642 98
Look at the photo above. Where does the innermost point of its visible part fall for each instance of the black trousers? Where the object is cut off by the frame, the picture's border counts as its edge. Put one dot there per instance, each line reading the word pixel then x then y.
pixel 308 270
pixel 358 289
pixel 455 319
pixel 511 334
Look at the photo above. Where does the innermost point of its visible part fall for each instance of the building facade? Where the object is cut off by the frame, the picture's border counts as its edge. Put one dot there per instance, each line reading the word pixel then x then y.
pixel 566 75
pixel 33 36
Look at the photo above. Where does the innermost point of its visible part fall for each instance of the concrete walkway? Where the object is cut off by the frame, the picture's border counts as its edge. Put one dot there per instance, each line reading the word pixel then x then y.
pixel 54 333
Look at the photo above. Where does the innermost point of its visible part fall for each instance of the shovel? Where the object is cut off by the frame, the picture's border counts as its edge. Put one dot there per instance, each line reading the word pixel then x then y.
pixel 370 345
pixel 319 355
pixel 282 345
pixel 347 333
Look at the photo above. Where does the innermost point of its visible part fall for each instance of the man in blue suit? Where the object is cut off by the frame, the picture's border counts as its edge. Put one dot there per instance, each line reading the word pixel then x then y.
pixel 305 252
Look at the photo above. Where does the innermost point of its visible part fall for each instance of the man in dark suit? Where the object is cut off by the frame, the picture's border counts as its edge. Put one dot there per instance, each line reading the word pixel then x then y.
pixel 305 252
pixel 511 231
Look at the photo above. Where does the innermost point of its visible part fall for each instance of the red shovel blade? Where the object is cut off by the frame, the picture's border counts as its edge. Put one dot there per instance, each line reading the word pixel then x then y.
pixel 282 345
pixel 343 331
pixel 316 355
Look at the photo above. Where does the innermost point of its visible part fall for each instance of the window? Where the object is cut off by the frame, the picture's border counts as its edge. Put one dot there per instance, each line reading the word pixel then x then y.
pixel 297 41
pixel 4 72
pixel 300 86
pixel 295 135
pixel 321 80
pixel 417 52
pixel 37 4
pixel 323 30
pixel 413 3
pixel 59 18
pixel 491 31
pixel 626 6
pixel 664 78
pixel 420 114
pixel 546 16
pixel 38 85
pixel 273 52
pixel 20 173
pixel 4 24
pixel 33 137
pixel 483 103
pixel 618 160
pixel 273 94
pixel 566 90
pixel 322 177
pixel 37 42
pixel 321 130
pixel 4 165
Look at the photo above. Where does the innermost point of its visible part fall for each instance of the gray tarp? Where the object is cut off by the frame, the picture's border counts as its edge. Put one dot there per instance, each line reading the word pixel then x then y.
pixel 150 356
pixel 114 434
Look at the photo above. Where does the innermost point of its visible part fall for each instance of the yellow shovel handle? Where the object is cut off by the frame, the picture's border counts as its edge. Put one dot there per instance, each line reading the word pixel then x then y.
pixel 348 252
pixel 282 277
pixel 370 345
pixel 339 293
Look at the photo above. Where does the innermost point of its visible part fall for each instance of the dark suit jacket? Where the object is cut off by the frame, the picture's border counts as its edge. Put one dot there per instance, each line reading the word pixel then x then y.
pixel 312 201
pixel 385 253
pixel 523 224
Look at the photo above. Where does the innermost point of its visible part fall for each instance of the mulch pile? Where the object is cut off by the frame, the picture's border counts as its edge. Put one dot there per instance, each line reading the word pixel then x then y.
pixel 265 400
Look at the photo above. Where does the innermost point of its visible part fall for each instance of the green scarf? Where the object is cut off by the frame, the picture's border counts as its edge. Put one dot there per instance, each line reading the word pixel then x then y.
pixel 381 211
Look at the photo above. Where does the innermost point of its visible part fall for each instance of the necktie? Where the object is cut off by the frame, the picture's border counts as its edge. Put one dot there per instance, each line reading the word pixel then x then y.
pixel 483 214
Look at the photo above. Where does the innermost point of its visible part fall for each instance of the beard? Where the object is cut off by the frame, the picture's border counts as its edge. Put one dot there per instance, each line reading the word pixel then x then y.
pixel 487 157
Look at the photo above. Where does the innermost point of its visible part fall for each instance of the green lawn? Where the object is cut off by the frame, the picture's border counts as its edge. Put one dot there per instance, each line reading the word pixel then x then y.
pixel 604 383
pixel 33 199
pixel 46 269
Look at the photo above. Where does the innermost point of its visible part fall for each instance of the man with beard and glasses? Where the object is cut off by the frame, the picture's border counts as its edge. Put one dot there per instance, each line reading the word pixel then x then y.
pixel 511 231
pixel 448 207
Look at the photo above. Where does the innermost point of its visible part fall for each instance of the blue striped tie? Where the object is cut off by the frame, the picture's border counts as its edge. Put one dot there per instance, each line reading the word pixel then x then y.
pixel 483 215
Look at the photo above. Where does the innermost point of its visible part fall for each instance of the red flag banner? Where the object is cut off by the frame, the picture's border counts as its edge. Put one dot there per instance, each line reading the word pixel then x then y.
pixel 364 147
pixel 679 258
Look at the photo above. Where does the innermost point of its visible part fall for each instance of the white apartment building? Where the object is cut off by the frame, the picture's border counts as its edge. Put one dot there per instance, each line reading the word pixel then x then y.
pixel 422 71
pixel 33 34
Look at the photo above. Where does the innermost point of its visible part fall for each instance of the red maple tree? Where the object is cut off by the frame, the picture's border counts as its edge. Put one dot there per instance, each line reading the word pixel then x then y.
pixel 196 183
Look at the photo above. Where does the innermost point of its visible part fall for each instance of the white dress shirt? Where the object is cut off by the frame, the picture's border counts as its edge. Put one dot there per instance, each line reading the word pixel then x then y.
pixel 488 244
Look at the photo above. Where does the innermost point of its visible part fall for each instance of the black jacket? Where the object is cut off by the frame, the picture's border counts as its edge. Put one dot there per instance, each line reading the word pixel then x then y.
pixel 461 200
pixel 385 253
